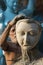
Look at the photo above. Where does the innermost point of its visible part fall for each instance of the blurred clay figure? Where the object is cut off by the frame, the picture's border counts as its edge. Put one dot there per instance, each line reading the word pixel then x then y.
pixel 15 7
pixel 2 58
pixel 28 34
pixel 39 17
pixel 39 11
pixel 2 26
pixel 11 48
pixel 1 20
pixel 28 11
pixel 2 17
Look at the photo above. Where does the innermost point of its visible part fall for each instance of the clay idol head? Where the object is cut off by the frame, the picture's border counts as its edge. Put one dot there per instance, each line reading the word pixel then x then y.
pixel 28 33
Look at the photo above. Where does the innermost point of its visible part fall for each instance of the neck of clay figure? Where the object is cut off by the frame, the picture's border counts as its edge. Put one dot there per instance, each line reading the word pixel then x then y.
pixel 29 55
pixel 25 56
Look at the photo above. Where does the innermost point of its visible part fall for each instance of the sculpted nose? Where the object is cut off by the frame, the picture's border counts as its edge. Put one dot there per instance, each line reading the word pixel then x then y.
pixel 26 39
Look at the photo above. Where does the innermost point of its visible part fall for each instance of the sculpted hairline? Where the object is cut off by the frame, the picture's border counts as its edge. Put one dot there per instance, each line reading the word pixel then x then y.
pixel 29 21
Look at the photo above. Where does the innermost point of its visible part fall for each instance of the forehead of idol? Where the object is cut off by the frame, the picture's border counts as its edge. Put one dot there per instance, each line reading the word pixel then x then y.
pixel 25 26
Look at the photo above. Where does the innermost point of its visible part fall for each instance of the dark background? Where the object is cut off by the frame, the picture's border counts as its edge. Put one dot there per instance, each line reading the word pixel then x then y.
pixel 2 5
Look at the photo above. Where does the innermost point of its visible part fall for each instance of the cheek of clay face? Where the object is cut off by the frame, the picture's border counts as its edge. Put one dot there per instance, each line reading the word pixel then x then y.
pixel 27 35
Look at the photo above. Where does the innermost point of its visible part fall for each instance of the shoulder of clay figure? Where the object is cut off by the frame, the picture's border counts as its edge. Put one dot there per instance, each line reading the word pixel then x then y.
pixel 39 61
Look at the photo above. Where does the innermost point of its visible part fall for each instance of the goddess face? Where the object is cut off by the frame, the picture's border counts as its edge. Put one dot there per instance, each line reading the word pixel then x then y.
pixel 27 34
pixel 17 5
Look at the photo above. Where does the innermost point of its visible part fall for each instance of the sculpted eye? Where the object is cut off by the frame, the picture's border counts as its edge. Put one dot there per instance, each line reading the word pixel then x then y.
pixel 32 33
